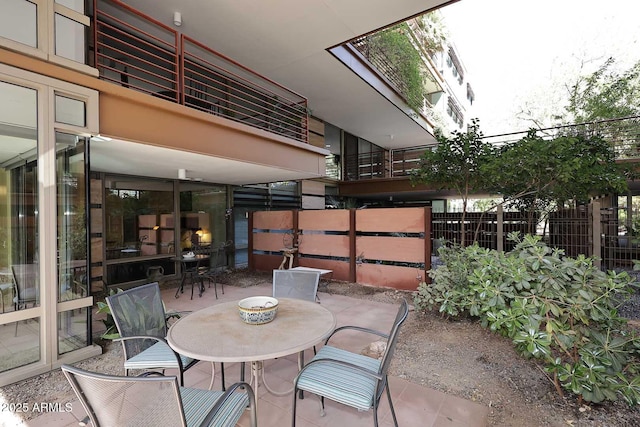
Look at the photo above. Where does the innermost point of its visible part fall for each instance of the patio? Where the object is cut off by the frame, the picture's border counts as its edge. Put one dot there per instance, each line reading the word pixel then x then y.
pixel 415 405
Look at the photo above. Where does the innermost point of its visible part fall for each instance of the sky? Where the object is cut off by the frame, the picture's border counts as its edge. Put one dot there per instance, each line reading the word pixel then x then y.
pixel 520 53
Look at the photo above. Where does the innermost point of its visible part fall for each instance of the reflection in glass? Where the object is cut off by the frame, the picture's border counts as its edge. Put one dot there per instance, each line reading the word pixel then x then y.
pixel 139 218
pixel 70 111
pixel 202 215
pixel 20 344
pixel 18 22
pixel 70 39
pixel 72 218
pixel 72 331
pixel 77 5
pixel 19 281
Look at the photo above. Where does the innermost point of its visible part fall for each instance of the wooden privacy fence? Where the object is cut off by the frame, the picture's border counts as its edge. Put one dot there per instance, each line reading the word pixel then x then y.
pixel 378 247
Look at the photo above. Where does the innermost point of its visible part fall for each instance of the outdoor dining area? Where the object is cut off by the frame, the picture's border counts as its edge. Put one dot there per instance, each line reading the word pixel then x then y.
pixel 258 355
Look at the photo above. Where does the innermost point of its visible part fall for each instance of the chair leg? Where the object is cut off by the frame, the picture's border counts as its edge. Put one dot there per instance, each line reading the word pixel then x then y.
pixel 224 388
pixel 293 407
pixel 393 412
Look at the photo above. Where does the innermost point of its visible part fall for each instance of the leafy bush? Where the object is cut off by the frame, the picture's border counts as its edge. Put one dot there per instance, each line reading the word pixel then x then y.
pixel 559 310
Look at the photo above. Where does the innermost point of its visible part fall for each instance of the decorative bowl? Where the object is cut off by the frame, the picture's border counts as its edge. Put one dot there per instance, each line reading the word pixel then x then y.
pixel 189 255
pixel 258 310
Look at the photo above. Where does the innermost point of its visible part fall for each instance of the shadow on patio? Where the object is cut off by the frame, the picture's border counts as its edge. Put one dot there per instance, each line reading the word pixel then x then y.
pixel 415 405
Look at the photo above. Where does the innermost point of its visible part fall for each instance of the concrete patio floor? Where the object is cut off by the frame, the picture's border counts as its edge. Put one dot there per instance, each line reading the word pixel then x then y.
pixel 414 405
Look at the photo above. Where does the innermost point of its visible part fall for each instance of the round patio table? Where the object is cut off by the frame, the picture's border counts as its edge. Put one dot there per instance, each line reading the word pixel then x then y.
pixel 218 334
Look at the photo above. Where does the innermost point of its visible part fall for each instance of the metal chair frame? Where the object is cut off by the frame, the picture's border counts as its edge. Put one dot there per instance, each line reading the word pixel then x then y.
pixel 145 341
pixel 109 399
pixel 379 376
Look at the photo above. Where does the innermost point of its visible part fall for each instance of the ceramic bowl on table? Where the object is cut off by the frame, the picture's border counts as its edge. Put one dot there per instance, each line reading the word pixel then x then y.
pixel 258 310
pixel 189 255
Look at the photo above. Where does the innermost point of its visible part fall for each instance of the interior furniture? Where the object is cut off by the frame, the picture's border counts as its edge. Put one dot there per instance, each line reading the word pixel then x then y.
pixel 25 291
pixel 217 334
pixel 351 378
pixel 190 267
pixel 140 318
pixel 217 266
pixel 152 401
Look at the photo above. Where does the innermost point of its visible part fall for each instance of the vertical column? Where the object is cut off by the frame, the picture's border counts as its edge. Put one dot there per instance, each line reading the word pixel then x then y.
pixel 428 247
pixel 352 245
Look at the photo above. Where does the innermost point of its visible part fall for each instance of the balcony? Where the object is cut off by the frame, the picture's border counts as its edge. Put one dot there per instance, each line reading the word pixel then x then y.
pixel 140 53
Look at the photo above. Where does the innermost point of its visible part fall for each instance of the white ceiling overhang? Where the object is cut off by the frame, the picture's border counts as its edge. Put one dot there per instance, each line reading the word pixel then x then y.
pixel 288 41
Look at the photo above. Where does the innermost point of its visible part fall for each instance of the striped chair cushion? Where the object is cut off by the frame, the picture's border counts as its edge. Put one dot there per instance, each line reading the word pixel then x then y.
pixel 158 355
pixel 341 383
pixel 197 403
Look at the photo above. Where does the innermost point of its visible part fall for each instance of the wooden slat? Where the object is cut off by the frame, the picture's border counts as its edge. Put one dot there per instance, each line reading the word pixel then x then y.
pixel 405 220
pixel 268 242
pixel 266 262
pixel 273 220
pixel 340 268
pixel 389 276
pixel 402 249
pixel 325 220
pixel 324 244
pixel 96 220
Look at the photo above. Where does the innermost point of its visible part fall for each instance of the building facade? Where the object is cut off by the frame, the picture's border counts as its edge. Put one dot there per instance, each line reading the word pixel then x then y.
pixel 125 139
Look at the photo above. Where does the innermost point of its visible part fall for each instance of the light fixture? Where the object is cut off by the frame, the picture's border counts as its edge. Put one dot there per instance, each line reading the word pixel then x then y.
pixel 182 174
pixel 177 19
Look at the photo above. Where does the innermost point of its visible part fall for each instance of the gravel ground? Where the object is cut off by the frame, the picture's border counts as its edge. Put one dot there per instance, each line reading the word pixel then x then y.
pixel 457 357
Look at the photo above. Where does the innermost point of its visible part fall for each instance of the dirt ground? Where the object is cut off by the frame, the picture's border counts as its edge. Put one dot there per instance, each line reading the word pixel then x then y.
pixel 461 358
pixel 456 357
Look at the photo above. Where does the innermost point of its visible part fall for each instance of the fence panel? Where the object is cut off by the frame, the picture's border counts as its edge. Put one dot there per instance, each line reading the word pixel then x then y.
pixel 390 247
pixel 570 230
pixel 272 231
pixel 324 241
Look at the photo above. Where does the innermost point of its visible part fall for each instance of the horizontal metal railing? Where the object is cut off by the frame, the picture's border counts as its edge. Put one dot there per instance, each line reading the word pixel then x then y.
pixel 215 83
pixel 136 59
pixel 365 166
pixel 622 134
pixel 138 52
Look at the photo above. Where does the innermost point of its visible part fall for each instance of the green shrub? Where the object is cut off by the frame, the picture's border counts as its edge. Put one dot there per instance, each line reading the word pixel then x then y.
pixel 560 310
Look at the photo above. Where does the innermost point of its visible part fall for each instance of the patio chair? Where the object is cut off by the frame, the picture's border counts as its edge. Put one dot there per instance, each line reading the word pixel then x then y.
pixel 153 401
pixel 296 284
pixel 351 378
pixel 217 266
pixel 140 318
pixel 25 280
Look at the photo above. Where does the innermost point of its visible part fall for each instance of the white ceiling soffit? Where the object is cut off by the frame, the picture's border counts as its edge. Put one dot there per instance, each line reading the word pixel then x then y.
pixel 287 41
pixel 131 158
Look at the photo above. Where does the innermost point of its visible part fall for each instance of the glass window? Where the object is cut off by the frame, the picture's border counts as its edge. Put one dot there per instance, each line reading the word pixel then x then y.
pixel 72 332
pixel 72 218
pixel 20 344
pixel 77 5
pixel 70 111
pixel 19 269
pixel 139 217
pixel 70 39
pixel 18 22
pixel 202 215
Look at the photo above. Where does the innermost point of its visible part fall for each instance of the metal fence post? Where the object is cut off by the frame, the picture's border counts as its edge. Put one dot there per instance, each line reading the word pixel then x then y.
pixel 596 227
pixel 500 229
